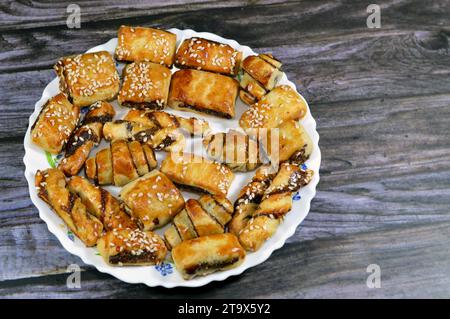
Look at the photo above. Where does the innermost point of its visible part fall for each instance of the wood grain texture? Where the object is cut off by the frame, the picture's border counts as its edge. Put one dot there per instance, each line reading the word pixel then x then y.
pixel 381 99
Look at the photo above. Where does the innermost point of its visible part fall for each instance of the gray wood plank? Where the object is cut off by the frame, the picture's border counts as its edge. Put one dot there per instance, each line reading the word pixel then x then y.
pixel 414 262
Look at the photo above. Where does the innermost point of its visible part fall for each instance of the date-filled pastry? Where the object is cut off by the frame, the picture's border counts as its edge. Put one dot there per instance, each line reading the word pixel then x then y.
pixel 275 204
pixel 235 149
pixel 121 163
pixel 206 216
pixel 52 188
pixel 250 197
pixel 276 107
pixel 55 123
pixel 100 203
pixel 208 55
pixel 145 44
pixel 131 247
pixel 161 119
pixel 166 138
pixel 205 255
pixel 145 86
pixel 293 145
pixel 197 173
pixel 86 137
pixel 203 92
pixel 88 78
pixel 153 200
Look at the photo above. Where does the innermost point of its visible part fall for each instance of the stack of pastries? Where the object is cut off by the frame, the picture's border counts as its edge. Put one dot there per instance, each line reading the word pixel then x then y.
pixel 202 235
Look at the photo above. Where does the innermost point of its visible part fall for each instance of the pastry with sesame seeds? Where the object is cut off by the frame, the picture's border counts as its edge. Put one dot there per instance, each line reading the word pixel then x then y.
pixel 208 254
pixel 251 90
pixel 145 44
pixel 121 163
pixel 206 216
pixel 166 138
pixel 131 247
pixel 88 78
pixel 85 137
pixel 281 104
pixel 52 189
pixel 101 204
pixel 276 202
pixel 203 92
pixel 192 125
pixel 145 86
pixel 208 55
pixel 198 174
pixel 55 123
pixel 153 200
pixel 235 149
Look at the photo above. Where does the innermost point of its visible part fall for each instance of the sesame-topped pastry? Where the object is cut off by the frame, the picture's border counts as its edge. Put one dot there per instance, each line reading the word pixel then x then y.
pixel 121 163
pixel 100 203
pixel 276 107
pixel 88 78
pixel 153 200
pixel 145 86
pixel 166 138
pixel 197 173
pixel 55 123
pixel 52 188
pixel 275 203
pixel 203 92
pixel 192 125
pixel 145 44
pixel 86 137
pixel 206 216
pixel 208 55
pixel 235 149
pixel 205 255
pixel 131 247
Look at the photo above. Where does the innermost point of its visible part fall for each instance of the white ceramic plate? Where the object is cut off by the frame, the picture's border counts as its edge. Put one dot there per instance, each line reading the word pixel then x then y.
pixel 166 275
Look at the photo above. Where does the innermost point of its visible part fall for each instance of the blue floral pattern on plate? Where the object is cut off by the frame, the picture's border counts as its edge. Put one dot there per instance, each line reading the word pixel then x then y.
pixel 70 235
pixel 164 268
pixel 296 196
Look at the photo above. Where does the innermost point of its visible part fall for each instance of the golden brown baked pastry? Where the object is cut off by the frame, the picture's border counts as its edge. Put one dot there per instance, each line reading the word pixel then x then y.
pixel 121 163
pixel 55 123
pixel 263 71
pixel 145 44
pixel 275 204
pixel 197 173
pixel 276 107
pixel 145 86
pixel 52 188
pixel 126 247
pixel 86 137
pixel 235 149
pixel 203 92
pixel 208 55
pixel 153 200
pixel 251 91
pixel 88 78
pixel 167 139
pixel 249 198
pixel 161 119
pixel 293 144
pixel 205 255
pixel 205 216
pixel 100 203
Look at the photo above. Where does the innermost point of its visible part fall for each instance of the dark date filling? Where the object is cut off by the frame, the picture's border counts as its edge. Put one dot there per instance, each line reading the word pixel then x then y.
pixel 206 111
pixel 210 266
pixel 98 119
pixel 191 188
pixel 79 138
pixel 143 105
pixel 128 257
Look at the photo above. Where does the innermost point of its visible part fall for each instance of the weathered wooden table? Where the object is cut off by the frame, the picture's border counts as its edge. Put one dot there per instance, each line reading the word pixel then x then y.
pixel 381 98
